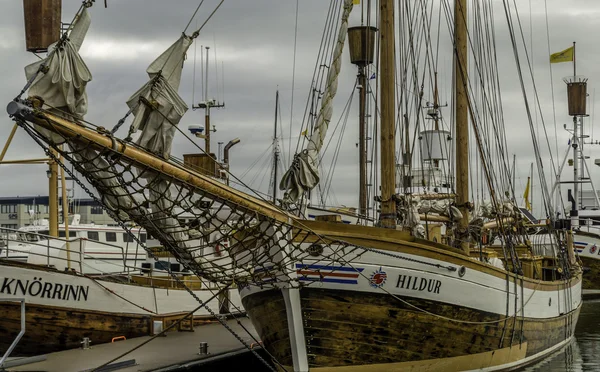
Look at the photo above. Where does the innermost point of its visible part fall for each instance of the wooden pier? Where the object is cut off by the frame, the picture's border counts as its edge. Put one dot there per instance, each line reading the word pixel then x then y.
pixel 176 350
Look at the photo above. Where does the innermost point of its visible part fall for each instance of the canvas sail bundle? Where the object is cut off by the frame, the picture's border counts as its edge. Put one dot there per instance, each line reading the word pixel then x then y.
pixel 63 85
pixel 157 106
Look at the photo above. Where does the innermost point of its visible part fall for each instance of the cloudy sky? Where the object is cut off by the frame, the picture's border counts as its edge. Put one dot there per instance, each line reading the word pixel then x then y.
pixel 254 41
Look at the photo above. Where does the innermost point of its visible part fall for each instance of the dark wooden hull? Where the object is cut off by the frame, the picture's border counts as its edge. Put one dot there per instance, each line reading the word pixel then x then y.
pixel 591 279
pixel 350 328
pixel 50 329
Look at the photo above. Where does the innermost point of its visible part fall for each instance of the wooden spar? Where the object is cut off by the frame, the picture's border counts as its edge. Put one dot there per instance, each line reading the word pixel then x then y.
pixel 362 144
pixel 275 149
pixel 462 116
pixel 53 197
pixel 8 141
pixel 388 104
pixel 361 41
pixel 497 224
pixel 206 111
pixel 433 218
pixel 436 106
pixel 65 208
pixel 243 201
pixel 434 196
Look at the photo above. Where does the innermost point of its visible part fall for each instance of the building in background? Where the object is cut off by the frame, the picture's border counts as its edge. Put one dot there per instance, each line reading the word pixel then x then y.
pixel 19 211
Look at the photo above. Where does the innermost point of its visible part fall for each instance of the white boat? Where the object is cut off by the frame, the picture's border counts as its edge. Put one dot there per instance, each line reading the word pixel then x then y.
pixel 108 249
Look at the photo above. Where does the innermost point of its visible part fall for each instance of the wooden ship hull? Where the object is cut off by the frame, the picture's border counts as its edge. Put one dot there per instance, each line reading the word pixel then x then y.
pixel 64 308
pixel 394 314
pixel 587 247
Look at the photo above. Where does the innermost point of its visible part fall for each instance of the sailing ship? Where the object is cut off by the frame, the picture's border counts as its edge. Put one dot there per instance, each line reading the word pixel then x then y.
pixel 326 295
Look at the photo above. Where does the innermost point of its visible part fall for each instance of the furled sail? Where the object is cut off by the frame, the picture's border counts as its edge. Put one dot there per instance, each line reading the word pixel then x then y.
pixel 62 86
pixel 303 174
pixel 157 106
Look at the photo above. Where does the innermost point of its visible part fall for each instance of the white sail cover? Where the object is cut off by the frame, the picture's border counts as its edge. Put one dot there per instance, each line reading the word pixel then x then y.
pixel 303 174
pixel 63 86
pixel 164 108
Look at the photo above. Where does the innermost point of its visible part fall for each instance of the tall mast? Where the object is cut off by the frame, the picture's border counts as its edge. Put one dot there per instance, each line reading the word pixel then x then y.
pixel 462 116
pixel 206 110
pixel 388 110
pixel 361 42
pixel 275 149
pixel 362 143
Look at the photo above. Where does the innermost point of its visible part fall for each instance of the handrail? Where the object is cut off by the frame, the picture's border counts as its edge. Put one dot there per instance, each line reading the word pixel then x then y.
pixel 21 333
pixel 50 243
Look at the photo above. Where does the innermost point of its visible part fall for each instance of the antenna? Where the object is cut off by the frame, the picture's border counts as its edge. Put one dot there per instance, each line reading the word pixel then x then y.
pixel 206 104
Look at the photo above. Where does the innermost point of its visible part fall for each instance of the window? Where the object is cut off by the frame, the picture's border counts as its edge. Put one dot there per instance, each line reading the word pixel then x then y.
pixel 127 238
pixel 143 238
pixel 93 235
pixel 111 237
pixel 96 210
pixel 8 209
pixel 72 234
pixel 9 225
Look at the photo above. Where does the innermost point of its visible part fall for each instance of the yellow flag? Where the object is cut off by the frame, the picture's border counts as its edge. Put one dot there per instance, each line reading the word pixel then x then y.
pixel 304 132
pixel 526 194
pixel 356 2
pixel 564 56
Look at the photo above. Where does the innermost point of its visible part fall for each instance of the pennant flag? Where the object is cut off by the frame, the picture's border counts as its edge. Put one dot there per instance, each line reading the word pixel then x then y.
pixel 526 195
pixel 372 77
pixel 564 56
pixel 304 132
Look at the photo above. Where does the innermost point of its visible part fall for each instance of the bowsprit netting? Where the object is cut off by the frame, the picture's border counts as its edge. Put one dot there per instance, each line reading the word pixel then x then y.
pixel 217 232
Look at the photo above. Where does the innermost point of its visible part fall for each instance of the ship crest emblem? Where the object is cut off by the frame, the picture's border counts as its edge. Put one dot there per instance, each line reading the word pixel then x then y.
pixel 378 278
pixel 593 249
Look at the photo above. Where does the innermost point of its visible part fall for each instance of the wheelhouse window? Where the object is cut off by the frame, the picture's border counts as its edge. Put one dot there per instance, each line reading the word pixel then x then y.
pixel 127 238
pixel 93 235
pixel 72 234
pixel 96 210
pixel 111 237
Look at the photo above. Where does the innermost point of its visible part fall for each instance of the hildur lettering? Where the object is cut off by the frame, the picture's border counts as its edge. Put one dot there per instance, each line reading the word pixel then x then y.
pixel 418 284
pixel 38 288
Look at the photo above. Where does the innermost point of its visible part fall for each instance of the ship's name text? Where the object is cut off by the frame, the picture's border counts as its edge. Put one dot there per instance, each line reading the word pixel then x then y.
pixel 38 288
pixel 419 284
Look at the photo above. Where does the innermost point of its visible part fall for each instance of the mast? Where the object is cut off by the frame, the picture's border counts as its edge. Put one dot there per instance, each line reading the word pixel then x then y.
pixel 361 42
pixel 53 197
pixel 388 104
pixel 462 117
pixel 206 110
pixel 275 149
pixel 362 143
pixel 436 106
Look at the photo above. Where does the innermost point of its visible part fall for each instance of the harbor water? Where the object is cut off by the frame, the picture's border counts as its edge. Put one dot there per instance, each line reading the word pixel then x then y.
pixel 581 354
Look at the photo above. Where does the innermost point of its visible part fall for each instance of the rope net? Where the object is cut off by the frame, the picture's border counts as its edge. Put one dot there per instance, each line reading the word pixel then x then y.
pixel 215 231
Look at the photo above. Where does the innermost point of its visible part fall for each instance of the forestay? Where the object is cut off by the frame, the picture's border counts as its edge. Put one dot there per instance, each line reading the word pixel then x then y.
pixel 303 174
